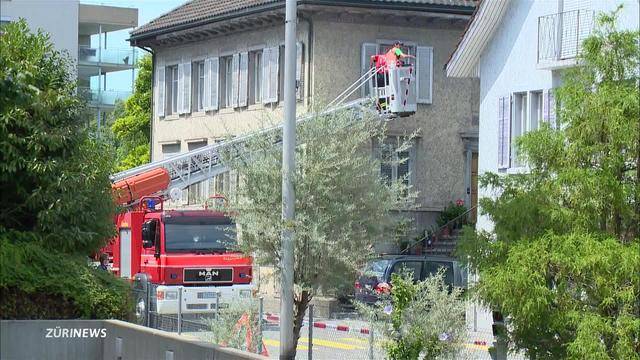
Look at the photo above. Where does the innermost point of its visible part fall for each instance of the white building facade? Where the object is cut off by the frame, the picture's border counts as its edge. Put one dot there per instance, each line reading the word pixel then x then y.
pixel 519 49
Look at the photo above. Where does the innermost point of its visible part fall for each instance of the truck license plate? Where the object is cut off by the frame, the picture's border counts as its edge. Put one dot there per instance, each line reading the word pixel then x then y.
pixel 207 275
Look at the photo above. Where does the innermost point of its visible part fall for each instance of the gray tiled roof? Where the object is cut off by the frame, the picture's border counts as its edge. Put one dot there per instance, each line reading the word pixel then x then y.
pixel 202 10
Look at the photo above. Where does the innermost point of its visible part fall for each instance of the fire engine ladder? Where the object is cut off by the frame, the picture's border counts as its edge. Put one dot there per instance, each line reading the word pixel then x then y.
pixel 206 162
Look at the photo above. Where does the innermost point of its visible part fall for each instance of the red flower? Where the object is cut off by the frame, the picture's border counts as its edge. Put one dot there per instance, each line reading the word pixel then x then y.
pixel 460 202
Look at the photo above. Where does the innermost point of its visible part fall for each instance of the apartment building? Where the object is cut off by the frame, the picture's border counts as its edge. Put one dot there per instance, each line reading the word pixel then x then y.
pixel 84 35
pixel 218 73
pixel 519 51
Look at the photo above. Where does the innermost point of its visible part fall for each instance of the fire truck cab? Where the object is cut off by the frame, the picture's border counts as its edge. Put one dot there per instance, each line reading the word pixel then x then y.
pixel 180 258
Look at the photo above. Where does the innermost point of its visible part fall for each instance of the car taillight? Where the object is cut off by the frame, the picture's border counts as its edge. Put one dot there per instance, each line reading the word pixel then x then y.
pixel 357 285
pixel 382 288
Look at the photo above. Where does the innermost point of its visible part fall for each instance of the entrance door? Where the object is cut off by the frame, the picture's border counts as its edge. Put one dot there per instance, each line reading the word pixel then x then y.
pixel 474 186
pixel 125 253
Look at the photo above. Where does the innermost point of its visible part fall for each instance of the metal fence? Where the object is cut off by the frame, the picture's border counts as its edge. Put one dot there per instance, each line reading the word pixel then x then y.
pixel 345 339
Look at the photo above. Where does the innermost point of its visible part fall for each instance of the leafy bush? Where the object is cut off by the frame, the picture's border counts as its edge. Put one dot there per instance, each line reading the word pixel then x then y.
pixel 44 284
pixel 452 211
pixel 420 319
pixel 230 328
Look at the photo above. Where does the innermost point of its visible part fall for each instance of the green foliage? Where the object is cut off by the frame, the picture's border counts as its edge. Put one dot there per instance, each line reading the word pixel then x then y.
pixel 451 212
pixel 50 284
pixel 420 319
pixel 132 127
pixel 562 259
pixel 342 204
pixel 230 329
pixel 56 205
pixel 54 177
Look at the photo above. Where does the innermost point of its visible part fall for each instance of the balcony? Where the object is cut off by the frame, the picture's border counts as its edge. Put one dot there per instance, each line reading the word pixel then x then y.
pixel 123 58
pixel 560 38
pixel 102 98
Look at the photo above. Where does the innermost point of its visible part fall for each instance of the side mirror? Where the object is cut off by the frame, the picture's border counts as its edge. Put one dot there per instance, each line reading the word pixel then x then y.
pixel 149 233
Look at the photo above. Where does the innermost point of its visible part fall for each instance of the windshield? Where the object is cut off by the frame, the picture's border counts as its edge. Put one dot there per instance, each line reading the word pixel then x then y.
pixel 186 237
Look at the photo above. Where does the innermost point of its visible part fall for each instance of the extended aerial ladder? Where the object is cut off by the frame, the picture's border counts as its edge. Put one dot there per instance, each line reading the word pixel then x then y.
pixel 166 178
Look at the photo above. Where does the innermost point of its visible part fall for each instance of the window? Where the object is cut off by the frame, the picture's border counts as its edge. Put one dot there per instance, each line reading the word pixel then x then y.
pixel 200 85
pixel 396 160
pixel 197 193
pixel 255 77
pixel 519 121
pixel 226 73
pixel 169 150
pixel 432 268
pixel 535 114
pixel 423 63
pixel 413 267
pixel 172 89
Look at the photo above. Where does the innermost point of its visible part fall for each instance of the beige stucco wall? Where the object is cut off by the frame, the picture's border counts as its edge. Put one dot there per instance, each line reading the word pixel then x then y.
pixel 335 64
pixel 439 168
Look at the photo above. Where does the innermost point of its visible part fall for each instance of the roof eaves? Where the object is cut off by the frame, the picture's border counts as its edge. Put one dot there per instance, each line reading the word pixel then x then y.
pixel 479 32
pixel 395 5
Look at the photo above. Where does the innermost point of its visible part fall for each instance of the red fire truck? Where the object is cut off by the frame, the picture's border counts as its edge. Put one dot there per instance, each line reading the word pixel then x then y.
pixel 175 256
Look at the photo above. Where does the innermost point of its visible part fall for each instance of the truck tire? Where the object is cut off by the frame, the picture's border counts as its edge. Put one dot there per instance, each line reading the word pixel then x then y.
pixel 141 309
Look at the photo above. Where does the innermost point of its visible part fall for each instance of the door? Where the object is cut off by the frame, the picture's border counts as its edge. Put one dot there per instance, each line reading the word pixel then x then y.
pixel 125 253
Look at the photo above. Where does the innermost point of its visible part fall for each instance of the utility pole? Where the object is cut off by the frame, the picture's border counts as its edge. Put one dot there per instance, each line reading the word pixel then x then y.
pixel 287 351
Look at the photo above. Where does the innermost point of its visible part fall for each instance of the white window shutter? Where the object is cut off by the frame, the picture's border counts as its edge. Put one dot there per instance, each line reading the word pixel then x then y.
pixel 552 110
pixel 424 74
pixel 243 79
pixel 274 56
pixel 299 71
pixel 504 132
pixel 186 104
pixel 266 56
pixel 206 101
pixel 160 91
pixel 180 97
pixel 235 69
pixel 214 75
pixel 368 50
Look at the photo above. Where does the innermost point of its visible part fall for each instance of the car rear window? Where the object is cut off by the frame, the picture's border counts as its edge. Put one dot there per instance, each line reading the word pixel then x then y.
pixel 377 268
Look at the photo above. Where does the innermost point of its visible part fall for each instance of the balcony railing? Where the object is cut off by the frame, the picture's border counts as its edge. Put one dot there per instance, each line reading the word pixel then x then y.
pixel 560 36
pixel 99 98
pixel 123 56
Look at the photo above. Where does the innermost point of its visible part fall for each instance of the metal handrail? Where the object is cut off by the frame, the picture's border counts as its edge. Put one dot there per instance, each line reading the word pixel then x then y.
pixel 440 228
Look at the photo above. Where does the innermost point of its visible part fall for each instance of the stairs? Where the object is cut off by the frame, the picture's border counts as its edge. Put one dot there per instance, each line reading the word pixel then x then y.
pixel 442 245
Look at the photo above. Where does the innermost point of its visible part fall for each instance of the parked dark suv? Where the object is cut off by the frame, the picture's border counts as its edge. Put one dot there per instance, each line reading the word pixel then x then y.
pixel 377 273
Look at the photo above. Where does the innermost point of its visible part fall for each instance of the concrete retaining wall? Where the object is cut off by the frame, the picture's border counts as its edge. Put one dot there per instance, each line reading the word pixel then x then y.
pixel 110 339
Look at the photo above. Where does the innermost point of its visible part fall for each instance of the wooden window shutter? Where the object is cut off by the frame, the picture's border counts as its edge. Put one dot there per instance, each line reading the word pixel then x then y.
pixel 243 80
pixel 299 71
pixel 266 56
pixel 160 86
pixel 235 71
pixel 368 50
pixel 504 132
pixel 214 77
pixel 424 74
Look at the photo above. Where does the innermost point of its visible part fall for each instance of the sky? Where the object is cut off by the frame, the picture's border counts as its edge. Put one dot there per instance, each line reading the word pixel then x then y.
pixel 147 11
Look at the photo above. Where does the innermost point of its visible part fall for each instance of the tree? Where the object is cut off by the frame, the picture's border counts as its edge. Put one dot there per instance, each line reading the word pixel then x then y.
pixel 562 260
pixel 133 126
pixel 56 200
pixel 420 319
pixel 342 204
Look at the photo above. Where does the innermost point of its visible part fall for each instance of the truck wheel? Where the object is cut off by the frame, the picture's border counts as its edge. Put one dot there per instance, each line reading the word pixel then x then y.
pixel 141 309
